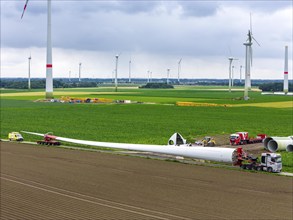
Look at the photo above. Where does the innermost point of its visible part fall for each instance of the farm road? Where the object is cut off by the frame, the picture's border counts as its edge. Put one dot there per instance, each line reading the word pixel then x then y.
pixel 53 183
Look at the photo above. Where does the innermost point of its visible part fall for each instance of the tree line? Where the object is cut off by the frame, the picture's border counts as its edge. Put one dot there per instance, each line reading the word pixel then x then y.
pixel 41 84
pixel 275 87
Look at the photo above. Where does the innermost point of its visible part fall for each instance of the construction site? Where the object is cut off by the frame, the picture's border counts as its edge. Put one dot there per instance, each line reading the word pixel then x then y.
pixel 54 183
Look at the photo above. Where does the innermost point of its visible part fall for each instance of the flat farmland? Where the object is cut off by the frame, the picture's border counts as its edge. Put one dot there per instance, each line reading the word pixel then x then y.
pixel 146 123
pixel 152 122
pixel 53 183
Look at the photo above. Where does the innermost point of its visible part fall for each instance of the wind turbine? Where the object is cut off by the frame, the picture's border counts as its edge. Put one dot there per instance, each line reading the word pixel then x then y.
pixel 151 74
pixel 168 74
pixel 116 70
pixel 29 72
pixel 286 71
pixel 230 71
pixel 129 80
pixel 49 77
pixel 248 60
pixel 69 79
pixel 79 72
pixel 179 70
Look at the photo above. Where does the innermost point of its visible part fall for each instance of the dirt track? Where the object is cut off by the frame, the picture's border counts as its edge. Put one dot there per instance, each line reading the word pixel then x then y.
pixel 51 183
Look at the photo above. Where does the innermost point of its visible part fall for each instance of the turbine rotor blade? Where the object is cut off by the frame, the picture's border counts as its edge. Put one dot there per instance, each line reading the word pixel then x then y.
pixel 255 41
pixel 250 23
pixel 24 8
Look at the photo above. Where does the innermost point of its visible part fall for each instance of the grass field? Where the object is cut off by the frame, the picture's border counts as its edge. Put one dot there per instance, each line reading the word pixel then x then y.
pixel 145 123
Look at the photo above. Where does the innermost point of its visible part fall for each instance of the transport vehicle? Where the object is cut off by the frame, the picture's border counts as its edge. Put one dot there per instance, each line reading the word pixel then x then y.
pixel 15 136
pixel 240 138
pixel 270 162
pixel 49 140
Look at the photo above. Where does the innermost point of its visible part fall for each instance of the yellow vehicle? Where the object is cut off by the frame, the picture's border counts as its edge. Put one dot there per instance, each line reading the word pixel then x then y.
pixel 15 136
pixel 208 141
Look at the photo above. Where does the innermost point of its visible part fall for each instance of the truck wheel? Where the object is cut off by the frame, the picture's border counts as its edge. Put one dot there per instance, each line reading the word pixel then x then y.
pixel 270 169
pixel 259 168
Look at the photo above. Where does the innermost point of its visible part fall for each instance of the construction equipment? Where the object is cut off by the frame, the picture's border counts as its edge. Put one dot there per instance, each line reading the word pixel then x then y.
pixel 49 139
pixel 270 162
pixel 207 141
pixel 241 138
pixel 15 136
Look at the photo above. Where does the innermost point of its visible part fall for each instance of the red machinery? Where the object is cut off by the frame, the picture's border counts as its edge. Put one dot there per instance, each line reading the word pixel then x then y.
pixel 49 140
pixel 240 138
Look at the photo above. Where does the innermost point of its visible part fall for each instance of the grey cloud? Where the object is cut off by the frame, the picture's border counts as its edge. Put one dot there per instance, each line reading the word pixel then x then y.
pixel 261 5
pixel 128 7
pixel 199 8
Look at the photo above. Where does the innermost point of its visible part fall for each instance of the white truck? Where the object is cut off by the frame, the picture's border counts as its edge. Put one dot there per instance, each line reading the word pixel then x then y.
pixel 15 136
pixel 270 162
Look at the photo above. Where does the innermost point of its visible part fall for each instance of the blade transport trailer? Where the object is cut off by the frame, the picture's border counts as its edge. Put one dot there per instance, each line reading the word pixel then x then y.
pixel 270 162
pixel 49 140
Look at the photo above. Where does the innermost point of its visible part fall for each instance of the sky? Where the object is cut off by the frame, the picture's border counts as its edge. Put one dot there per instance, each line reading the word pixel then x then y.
pixel 154 35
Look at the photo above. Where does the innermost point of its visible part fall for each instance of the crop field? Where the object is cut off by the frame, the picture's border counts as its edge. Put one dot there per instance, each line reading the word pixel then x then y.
pixel 152 121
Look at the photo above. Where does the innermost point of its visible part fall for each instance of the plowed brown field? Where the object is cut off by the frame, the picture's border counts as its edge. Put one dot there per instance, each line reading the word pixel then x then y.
pixel 54 183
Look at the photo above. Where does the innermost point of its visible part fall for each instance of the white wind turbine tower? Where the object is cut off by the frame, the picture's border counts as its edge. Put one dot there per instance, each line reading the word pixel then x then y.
pixel 179 70
pixel 168 75
pixel 116 70
pixel 286 71
pixel 240 80
pixel 129 80
pixel 29 72
pixel 49 77
pixel 232 76
pixel 248 60
pixel 69 76
pixel 79 72
pixel 230 71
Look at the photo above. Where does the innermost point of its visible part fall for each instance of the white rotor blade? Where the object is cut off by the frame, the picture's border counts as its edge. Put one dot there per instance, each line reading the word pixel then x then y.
pixel 255 41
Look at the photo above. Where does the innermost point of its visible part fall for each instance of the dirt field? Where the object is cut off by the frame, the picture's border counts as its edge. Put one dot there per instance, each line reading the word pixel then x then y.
pixel 53 183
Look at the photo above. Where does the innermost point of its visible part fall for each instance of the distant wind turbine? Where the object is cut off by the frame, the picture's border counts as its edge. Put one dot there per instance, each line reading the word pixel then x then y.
pixel 79 72
pixel 129 80
pixel 179 70
pixel 49 77
pixel 168 75
pixel 29 72
pixel 230 71
pixel 116 73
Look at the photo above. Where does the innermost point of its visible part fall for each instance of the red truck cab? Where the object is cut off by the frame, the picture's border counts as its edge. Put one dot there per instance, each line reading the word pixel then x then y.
pixel 239 138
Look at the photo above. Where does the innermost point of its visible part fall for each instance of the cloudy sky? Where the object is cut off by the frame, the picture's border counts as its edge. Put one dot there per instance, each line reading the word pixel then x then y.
pixel 153 34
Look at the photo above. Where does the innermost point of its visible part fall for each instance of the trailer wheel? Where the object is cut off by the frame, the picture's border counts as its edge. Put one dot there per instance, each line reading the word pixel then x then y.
pixel 259 168
pixel 270 169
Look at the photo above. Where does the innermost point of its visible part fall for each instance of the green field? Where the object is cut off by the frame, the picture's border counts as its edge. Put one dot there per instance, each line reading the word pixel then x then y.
pixel 151 123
